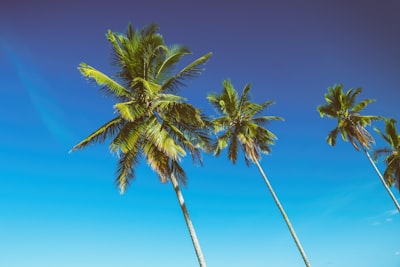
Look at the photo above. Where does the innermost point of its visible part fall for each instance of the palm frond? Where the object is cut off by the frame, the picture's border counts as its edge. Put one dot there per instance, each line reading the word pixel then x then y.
pixel 244 97
pixel 360 106
pixel 131 110
pixel 263 120
pixel 125 170
pixel 384 137
pixel 158 135
pixel 100 135
pixel 392 133
pixel 381 152
pixel 189 72
pixel 173 56
pixel 331 138
pixel 158 161
pixel 101 79
pixel 178 172
pixel 327 110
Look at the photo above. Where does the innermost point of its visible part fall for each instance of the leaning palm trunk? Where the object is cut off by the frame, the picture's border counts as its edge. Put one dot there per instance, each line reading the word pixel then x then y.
pixel 285 217
pixel 382 180
pixel 189 224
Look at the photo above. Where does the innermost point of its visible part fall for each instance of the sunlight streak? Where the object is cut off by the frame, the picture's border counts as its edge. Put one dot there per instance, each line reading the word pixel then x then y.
pixel 37 89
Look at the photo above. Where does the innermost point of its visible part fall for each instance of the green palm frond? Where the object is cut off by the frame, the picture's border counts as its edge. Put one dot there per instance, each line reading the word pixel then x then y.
pixel 327 110
pixel 125 170
pixel 128 138
pixel 360 106
pixel 233 145
pixel 100 135
pixel 392 133
pixel 173 56
pixel 222 142
pixel 331 138
pixel 151 89
pixel 131 110
pixel 158 135
pixel 229 100
pixel 178 172
pixel 244 97
pixel 263 120
pixel 157 160
pixel 101 79
pixel 194 69
pixel 191 71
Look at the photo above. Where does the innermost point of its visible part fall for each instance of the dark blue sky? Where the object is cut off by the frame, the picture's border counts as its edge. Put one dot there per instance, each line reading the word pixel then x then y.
pixel 61 209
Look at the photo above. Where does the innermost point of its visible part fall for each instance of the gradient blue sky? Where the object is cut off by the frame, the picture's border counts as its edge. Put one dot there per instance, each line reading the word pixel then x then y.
pixel 60 209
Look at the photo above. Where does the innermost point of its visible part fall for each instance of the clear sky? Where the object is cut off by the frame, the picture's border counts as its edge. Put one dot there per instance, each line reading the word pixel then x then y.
pixel 60 209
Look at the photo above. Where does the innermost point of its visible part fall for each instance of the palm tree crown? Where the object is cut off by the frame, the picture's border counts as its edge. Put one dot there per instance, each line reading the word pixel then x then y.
pixel 241 123
pixel 350 124
pixel 151 120
pixel 391 153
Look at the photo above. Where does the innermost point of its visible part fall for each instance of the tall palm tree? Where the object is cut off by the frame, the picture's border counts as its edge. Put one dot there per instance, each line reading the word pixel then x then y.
pixel 241 124
pixel 350 123
pixel 152 122
pixel 391 153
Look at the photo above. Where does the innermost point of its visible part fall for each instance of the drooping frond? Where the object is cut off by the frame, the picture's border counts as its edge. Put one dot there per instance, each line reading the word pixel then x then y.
pixel 157 160
pixel 178 172
pixel 160 138
pixel 331 138
pixel 222 142
pixel 125 169
pixel 233 145
pixel 100 135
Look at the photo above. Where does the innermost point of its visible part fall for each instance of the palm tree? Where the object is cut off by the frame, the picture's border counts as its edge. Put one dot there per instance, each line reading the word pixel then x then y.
pixel 241 124
pixel 350 123
pixel 152 122
pixel 391 153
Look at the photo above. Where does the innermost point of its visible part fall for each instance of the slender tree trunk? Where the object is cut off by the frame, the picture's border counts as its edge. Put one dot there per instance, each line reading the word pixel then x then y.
pixel 382 180
pixel 189 224
pixel 285 217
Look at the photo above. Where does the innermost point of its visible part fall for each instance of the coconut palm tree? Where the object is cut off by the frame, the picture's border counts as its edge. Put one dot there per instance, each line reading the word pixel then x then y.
pixel 391 153
pixel 152 122
pixel 350 123
pixel 241 125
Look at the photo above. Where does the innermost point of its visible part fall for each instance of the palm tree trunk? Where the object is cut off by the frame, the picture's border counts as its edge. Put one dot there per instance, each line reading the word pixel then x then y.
pixel 382 180
pixel 189 224
pixel 285 217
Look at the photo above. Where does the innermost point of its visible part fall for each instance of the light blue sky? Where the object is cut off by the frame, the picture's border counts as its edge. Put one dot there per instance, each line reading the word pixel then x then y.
pixel 60 209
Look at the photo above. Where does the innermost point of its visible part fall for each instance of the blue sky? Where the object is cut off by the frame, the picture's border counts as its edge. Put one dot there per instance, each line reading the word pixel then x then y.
pixel 60 209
